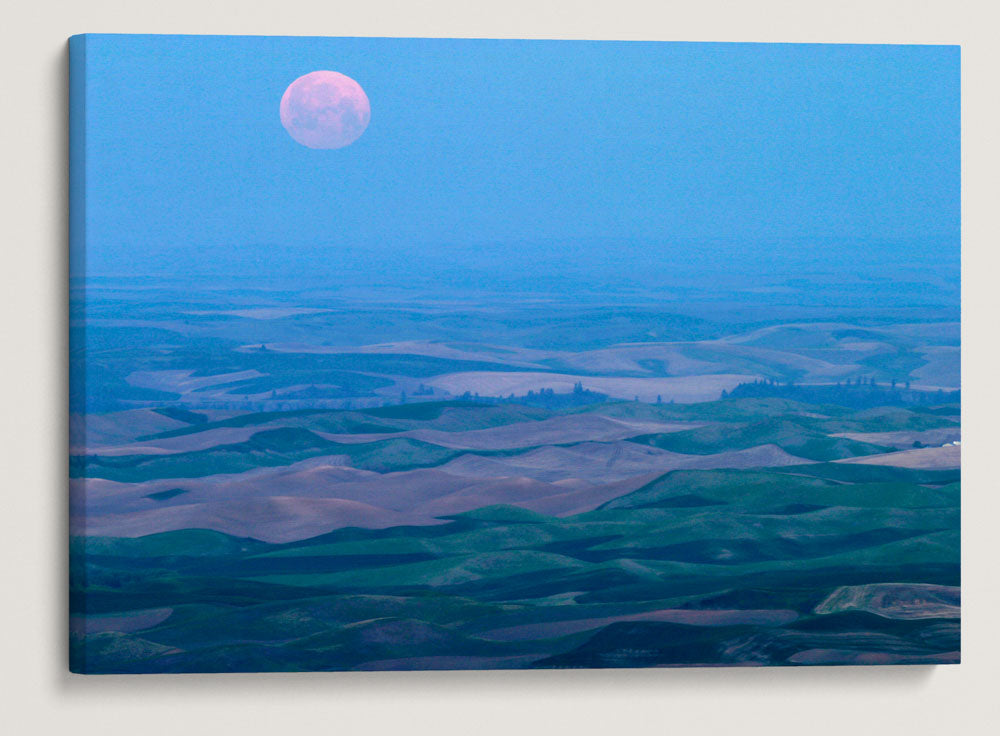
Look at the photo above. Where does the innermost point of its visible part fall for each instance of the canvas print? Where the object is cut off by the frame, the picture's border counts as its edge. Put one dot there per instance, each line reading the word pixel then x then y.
pixel 411 354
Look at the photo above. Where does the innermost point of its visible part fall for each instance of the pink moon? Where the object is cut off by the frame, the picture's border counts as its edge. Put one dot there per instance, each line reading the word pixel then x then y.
pixel 324 109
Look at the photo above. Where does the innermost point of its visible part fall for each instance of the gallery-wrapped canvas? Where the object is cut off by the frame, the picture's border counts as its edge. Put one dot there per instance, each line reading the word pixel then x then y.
pixel 405 354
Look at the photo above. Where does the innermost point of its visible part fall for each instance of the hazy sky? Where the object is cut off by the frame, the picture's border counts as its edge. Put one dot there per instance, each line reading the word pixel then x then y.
pixel 521 142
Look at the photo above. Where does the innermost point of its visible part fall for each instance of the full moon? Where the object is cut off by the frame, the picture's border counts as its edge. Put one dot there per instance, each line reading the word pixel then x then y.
pixel 325 109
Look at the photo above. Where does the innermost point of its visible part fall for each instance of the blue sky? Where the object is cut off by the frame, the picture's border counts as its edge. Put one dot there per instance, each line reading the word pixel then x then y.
pixel 578 148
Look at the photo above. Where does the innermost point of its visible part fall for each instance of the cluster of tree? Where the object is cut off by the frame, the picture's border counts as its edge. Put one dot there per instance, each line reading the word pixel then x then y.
pixel 281 403
pixel 545 398
pixel 860 393
pixel 312 397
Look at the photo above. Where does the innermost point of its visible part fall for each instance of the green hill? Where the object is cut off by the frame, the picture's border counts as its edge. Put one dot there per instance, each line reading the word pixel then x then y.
pixel 796 437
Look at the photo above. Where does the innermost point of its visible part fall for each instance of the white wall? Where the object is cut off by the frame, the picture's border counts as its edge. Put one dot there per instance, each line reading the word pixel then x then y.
pixel 37 693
